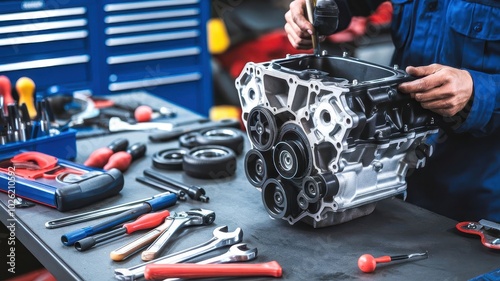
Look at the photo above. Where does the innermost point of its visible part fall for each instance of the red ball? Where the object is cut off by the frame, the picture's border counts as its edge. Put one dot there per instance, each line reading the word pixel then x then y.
pixel 143 113
pixel 367 263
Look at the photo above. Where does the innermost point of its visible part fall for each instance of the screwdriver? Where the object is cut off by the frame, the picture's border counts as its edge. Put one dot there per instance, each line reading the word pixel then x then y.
pixel 122 159
pixel 367 263
pixel 146 221
pixel 152 205
pixel 26 90
pixel 6 91
pixel 100 156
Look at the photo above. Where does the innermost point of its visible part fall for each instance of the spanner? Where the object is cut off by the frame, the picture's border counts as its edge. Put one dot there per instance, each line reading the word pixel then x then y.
pixel 237 253
pixel 221 238
pixel 117 125
pixel 180 220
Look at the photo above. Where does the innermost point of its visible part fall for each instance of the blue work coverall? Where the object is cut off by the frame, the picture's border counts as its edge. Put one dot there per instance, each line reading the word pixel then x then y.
pixel 462 179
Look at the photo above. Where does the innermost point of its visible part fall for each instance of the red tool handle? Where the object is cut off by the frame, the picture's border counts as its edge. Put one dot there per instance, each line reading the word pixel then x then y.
pixel 43 161
pixel 191 270
pixel 383 259
pixel 477 229
pixel 99 157
pixel 146 221
pixel 6 91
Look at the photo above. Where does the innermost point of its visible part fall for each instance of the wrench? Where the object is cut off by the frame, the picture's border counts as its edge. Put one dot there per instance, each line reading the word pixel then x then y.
pixel 180 220
pixel 221 238
pixel 117 125
pixel 237 253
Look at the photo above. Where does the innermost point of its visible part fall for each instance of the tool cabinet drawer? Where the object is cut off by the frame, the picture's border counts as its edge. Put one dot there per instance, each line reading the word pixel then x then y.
pixel 159 46
pixel 45 41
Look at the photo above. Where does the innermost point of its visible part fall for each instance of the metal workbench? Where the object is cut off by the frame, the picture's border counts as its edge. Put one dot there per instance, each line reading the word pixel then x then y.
pixel 305 253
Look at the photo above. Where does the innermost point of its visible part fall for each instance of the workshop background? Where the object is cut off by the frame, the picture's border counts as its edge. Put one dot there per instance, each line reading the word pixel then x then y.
pixel 190 63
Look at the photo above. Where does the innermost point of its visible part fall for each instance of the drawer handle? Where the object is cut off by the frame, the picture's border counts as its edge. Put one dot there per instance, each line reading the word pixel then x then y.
pixel 44 63
pixel 151 26
pixel 43 26
pixel 43 14
pixel 151 15
pixel 155 81
pixel 44 38
pixel 151 38
pixel 153 55
pixel 146 4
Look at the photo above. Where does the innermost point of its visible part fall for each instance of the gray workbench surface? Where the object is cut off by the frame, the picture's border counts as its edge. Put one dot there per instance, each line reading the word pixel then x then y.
pixel 394 228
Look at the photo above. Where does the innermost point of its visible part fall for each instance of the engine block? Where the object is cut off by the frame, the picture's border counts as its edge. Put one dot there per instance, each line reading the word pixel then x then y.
pixel 330 136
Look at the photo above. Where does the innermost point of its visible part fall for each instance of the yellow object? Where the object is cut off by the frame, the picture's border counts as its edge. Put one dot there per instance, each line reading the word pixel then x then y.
pixel 26 90
pixel 218 38
pixel 220 112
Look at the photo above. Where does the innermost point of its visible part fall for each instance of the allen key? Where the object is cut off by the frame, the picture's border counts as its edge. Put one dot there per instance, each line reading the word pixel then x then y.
pixel 98 213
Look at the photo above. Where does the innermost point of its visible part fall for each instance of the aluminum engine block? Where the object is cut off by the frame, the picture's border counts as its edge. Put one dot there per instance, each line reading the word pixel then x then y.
pixel 331 136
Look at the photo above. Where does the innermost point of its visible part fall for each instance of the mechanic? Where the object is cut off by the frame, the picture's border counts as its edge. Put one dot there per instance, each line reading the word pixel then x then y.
pixel 453 47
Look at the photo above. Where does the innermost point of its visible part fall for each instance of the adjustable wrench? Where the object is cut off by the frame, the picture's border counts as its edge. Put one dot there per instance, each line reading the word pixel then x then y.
pixel 221 238
pixel 180 220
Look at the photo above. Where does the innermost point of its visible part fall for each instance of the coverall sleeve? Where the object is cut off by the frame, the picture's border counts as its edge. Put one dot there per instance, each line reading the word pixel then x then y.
pixel 484 116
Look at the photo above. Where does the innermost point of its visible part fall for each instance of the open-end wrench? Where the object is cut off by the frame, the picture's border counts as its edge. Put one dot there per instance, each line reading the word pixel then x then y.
pixel 221 238
pixel 180 220
pixel 117 125
pixel 237 253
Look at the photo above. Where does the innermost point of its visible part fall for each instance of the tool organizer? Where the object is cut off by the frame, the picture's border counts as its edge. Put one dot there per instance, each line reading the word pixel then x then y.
pixel 62 145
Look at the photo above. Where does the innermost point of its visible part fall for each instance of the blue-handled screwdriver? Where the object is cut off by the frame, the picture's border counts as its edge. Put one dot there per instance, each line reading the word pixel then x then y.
pixel 152 205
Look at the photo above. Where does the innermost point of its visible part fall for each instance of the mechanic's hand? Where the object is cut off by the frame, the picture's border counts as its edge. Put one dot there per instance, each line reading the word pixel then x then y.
pixel 442 89
pixel 297 27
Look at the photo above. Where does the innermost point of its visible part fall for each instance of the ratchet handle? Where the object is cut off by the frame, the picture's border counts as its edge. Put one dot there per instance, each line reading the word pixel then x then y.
pixel 190 270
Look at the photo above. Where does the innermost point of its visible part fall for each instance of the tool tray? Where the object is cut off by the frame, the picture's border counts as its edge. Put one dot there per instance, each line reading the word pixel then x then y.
pixel 92 186
pixel 62 145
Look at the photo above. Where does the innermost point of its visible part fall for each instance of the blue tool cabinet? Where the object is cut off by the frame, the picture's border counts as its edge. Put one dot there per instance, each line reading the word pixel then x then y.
pixel 110 46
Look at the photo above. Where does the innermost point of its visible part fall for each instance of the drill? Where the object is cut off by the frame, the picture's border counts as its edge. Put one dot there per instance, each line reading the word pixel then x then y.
pixel 326 17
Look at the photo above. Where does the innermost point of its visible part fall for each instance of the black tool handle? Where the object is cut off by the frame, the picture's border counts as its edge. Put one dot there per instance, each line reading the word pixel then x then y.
pixel 119 144
pixel 180 193
pixel 137 150
pixel 194 192
pixel 89 191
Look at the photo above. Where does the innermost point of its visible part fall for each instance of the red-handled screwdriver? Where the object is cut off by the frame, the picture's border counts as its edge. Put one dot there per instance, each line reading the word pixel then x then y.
pixel 367 263
pixel 146 221
pixel 6 91
pixel 122 159
pixel 100 156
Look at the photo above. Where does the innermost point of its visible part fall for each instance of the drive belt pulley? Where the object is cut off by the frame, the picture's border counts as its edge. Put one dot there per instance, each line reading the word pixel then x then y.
pixel 279 198
pixel 258 167
pixel 262 128
pixel 291 155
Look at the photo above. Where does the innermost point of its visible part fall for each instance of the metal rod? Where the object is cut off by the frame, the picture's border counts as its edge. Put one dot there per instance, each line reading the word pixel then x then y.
pixel 98 213
pixel 310 4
